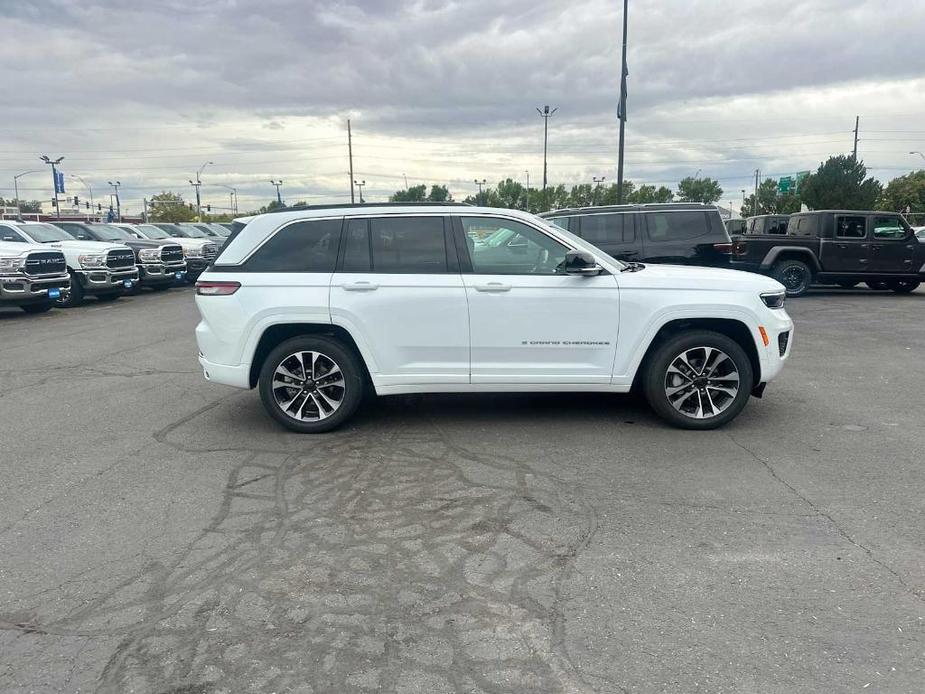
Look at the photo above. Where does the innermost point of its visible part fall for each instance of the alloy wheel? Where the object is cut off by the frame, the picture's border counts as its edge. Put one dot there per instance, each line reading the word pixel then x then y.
pixel 701 382
pixel 308 386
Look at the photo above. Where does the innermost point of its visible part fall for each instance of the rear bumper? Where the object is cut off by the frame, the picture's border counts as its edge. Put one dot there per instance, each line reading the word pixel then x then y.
pixel 23 289
pixel 237 375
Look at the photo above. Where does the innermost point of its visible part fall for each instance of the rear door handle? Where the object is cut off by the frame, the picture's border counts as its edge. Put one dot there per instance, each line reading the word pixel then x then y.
pixel 360 286
pixel 493 287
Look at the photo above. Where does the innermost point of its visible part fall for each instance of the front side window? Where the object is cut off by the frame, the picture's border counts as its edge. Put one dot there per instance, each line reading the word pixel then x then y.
pixel 664 227
pixel 9 235
pixel 78 231
pixel 506 247
pixel 887 228
pixel 604 228
pixel 308 246
pixel 46 233
pixel 850 227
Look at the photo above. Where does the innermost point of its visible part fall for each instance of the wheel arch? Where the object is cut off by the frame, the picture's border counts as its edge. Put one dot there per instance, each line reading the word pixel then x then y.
pixel 730 327
pixel 277 333
pixel 781 253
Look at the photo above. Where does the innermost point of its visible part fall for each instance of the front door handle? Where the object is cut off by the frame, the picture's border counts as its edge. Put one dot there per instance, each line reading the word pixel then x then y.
pixel 361 286
pixel 493 287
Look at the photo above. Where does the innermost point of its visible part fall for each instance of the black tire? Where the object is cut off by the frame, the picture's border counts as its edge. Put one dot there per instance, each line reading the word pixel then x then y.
pixel 877 285
pixel 38 308
pixel 847 284
pixel 903 286
pixel 108 296
pixel 795 275
pixel 72 298
pixel 656 378
pixel 333 350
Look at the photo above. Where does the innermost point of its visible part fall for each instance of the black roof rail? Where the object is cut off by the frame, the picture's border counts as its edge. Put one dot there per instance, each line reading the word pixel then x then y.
pixel 632 207
pixel 350 205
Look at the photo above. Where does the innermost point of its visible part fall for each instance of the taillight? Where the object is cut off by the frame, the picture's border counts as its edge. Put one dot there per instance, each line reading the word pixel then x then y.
pixel 204 288
pixel 722 247
pixel 738 248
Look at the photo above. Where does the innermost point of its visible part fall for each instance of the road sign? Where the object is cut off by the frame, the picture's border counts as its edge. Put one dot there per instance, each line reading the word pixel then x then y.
pixel 785 185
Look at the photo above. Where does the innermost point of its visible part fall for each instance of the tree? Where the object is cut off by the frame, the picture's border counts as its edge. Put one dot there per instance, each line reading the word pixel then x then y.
pixel 647 193
pixel 705 190
pixel 439 194
pixel 419 194
pixel 905 191
pixel 770 201
pixel 170 207
pixel 840 183
pixel 30 206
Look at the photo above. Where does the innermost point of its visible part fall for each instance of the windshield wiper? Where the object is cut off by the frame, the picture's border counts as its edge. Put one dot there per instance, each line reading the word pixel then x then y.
pixel 633 266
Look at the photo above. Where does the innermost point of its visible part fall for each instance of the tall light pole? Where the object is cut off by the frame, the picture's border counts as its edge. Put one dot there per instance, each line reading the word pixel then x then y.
pixel 406 181
pixel 743 204
pixel 597 188
pixel 54 175
pixel 527 193
pixel 546 115
pixel 279 198
pixel 197 185
pixel 87 186
pixel 621 109
pixel 115 187
pixel 16 190
pixel 480 184
pixel 359 185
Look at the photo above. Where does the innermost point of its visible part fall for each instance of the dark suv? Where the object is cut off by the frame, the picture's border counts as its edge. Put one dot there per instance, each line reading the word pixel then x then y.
pixel 678 233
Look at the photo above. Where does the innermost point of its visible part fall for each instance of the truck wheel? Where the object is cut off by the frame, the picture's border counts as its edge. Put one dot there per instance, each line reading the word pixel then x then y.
pixel 795 275
pixel 878 285
pixel 37 308
pixel 847 284
pixel 72 298
pixel 311 384
pixel 903 286
pixel 698 380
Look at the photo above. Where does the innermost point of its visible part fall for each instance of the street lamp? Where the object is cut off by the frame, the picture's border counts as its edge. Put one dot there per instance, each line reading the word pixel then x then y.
pixel 480 184
pixel 279 198
pixel 597 188
pixel 115 187
pixel 54 175
pixel 546 115
pixel 919 153
pixel 233 195
pixel 360 184
pixel 196 185
pixel 16 189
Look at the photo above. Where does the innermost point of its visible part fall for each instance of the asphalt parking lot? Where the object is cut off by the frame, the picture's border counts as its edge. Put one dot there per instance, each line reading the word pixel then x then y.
pixel 161 534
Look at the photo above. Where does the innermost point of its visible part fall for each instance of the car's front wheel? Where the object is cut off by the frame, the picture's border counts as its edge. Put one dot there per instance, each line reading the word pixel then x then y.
pixel 698 379
pixel 903 286
pixel 74 296
pixel 37 308
pixel 311 384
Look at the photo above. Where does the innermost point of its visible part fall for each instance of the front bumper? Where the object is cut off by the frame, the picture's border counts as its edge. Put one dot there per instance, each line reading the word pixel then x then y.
pixel 24 289
pixel 160 273
pixel 778 327
pixel 103 280
pixel 196 266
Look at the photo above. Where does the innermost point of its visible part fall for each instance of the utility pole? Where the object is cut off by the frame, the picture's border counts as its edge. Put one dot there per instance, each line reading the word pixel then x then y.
pixel 54 175
pixel 597 188
pixel 279 198
pixel 546 115
pixel 359 185
pixel 480 184
pixel 234 197
pixel 16 190
pixel 621 109
pixel 144 210
pixel 115 187
pixel 857 123
pixel 406 181
pixel 527 193
pixel 755 204
pixel 350 154
pixel 742 211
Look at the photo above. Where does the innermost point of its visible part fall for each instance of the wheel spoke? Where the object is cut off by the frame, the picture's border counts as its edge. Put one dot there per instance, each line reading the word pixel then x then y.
pixel 281 369
pixel 322 413
pixel 713 409
pixel 311 402
pixel 701 393
pixel 731 392
pixel 675 370
pixel 719 360
pixel 680 401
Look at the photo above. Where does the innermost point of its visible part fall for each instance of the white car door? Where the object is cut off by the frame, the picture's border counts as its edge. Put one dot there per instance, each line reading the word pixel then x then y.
pixel 399 292
pixel 529 322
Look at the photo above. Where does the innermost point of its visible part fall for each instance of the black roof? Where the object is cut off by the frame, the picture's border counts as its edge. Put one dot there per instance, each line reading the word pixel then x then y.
pixel 848 212
pixel 641 207
pixel 349 205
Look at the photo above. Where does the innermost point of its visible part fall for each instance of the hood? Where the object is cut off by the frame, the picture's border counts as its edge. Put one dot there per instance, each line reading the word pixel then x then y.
pixel 138 244
pixel 694 277
pixel 187 243
pixel 14 248
pixel 86 246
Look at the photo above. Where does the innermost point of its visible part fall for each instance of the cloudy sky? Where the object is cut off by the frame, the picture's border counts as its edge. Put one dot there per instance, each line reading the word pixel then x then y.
pixel 445 91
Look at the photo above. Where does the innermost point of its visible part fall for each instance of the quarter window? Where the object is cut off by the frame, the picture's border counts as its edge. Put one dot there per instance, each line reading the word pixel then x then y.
pixel 408 245
pixel 309 246
pixel 850 227
pixel 887 228
pixel 675 226
pixel 506 247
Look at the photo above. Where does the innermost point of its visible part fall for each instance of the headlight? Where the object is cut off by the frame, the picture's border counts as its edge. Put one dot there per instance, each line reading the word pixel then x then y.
pixel 774 299
pixel 12 264
pixel 93 260
pixel 192 252
pixel 149 255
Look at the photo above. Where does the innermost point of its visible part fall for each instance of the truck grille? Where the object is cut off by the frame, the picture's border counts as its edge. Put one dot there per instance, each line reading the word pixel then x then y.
pixel 209 251
pixel 47 263
pixel 171 254
pixel 120 259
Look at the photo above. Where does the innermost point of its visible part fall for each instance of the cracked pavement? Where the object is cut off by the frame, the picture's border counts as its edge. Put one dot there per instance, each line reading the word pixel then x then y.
pixel 160 534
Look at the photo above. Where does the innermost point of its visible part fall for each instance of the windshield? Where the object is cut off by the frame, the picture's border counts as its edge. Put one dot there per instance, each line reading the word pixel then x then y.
pixel 220 230
pixel 108 232
pixel 45 233
pixel 153 232
pixel 191 231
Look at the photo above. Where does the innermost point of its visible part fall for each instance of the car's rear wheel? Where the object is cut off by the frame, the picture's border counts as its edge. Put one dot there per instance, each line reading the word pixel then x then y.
pixel 878 285
pixel 73 297
pixel 311 384
pixel 698 379
pixel 795 275
pixel 847 284
pixel 37 308
pixel 903 286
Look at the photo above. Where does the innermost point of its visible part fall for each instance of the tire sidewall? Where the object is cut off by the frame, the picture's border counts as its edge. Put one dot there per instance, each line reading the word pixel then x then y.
pixel 75 295
pixel 903 286
pixel 657 367
pixel 807 272
pixel 349 365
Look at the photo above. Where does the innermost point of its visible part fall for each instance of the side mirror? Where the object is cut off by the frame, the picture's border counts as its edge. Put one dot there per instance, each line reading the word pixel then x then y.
pixel 581 263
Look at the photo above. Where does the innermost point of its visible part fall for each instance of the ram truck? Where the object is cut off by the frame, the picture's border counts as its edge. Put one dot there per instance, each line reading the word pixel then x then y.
pixel 32 276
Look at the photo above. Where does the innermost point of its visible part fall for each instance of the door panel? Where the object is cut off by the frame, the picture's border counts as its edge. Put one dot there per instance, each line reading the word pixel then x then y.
pixel 892 246
pixel 848 249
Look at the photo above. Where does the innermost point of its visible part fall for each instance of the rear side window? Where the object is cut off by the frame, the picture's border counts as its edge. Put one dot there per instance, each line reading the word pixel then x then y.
pixel 802 226
pixel 850 227
pixel 663 227
pixel 777 226
pixel 607 228
pixel 395 245
pixel 309 246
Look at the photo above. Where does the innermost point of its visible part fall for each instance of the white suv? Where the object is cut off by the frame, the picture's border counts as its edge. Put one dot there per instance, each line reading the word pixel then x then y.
pixel 317 304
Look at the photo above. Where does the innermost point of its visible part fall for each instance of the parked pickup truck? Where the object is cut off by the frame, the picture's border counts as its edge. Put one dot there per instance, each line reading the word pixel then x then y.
pixel 842 247
pixel 104 270
pixel 198 253
pixel 31 276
